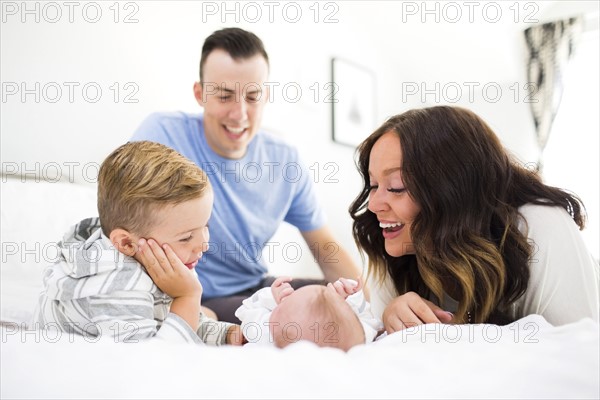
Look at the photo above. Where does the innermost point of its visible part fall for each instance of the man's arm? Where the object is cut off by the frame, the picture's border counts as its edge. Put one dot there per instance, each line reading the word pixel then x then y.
pixel 334 261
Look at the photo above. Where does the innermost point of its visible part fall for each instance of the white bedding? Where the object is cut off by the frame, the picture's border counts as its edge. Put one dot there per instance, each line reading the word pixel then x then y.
pixel 34 216
pixel 528 359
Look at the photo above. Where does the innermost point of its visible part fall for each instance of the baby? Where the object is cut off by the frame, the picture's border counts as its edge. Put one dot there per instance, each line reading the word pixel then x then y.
pixel 336 315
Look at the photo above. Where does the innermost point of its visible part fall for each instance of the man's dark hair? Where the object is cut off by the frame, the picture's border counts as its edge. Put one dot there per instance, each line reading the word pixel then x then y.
pixel 238 43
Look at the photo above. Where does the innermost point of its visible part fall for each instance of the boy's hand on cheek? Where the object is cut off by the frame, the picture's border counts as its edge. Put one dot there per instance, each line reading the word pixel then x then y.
pixel 167 271
pixel 174 278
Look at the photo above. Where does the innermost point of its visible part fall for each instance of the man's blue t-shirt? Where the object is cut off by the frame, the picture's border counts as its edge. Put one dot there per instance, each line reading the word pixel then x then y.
pixel 252 196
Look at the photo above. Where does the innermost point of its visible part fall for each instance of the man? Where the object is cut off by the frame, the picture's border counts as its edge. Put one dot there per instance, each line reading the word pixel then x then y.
pixel 257 179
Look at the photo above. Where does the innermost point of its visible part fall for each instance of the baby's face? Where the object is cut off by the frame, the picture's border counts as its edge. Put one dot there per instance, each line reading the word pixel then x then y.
pixel 184 227
pixel 298 317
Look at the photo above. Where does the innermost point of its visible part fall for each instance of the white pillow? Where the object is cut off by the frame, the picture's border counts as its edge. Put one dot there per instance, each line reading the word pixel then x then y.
pixel 34 216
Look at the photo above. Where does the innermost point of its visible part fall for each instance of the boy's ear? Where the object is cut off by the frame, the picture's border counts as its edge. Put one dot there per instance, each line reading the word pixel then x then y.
pixel 124 241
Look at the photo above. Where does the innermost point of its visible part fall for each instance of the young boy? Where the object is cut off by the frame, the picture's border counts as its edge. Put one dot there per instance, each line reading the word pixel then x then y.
pixel 336 315
pixel 129 274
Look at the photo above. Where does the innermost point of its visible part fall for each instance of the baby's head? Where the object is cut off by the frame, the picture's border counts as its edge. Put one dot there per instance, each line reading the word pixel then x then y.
pixel 148 190
pixel 318 314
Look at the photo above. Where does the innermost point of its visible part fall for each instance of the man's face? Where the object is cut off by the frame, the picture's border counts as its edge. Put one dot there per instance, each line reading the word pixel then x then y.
pixel 233 96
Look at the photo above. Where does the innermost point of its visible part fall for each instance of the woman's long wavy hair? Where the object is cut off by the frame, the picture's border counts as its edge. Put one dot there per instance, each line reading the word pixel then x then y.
pixel 466 237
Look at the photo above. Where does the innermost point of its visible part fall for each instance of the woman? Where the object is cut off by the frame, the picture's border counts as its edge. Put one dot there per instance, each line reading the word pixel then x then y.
pixel 446 218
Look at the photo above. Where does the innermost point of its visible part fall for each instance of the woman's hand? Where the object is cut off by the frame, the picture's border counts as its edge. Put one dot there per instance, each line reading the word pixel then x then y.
pixel 410 310
pixel 281 288
pixel 167 271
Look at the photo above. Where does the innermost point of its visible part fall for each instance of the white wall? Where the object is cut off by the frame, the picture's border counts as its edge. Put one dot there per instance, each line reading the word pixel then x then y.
pixel 158 56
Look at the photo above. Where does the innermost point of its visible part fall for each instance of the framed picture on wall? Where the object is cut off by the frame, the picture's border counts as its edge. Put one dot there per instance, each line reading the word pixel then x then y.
pixel 353 102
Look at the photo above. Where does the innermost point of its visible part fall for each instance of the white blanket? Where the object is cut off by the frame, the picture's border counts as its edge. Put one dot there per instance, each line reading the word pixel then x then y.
pixel 527 359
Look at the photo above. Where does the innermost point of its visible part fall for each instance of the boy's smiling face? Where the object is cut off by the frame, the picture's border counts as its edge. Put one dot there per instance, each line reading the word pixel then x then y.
pixel 184 227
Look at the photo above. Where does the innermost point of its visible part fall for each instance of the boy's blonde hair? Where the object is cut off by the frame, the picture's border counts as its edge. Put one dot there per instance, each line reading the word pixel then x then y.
pixel 138 178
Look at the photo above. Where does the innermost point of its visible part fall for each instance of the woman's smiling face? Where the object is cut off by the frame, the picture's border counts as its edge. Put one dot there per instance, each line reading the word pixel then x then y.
pixel 388 198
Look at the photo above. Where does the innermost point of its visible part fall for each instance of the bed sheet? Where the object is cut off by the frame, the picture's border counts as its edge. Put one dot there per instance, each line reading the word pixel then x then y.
pixel 527 359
